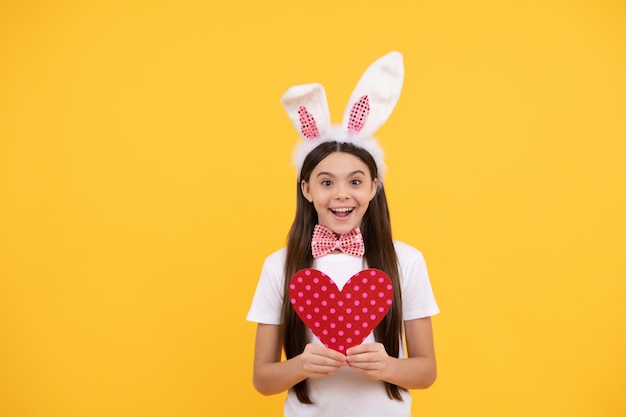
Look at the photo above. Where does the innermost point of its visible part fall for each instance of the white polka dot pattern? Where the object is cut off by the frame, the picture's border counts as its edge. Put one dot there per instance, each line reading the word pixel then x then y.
pixel 341 319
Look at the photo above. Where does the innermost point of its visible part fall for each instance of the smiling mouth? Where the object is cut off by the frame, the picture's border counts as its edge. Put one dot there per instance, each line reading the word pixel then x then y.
pixel 342 212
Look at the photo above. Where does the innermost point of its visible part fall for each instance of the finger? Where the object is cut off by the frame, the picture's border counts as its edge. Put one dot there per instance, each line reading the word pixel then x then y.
pixel 364 348
pixel 322 369
pixel 330 354
pixel 315 370
pixel 324 351
pixel 322 358
pixel 366 365
pixel 362 359
pixel 366 356
pixel 326 361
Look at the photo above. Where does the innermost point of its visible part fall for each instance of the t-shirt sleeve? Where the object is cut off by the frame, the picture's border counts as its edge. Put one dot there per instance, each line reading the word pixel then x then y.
pixel 418 300
pixel 268 297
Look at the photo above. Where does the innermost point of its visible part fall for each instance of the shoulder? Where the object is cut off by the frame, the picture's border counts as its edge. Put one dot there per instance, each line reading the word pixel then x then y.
pixel 276 260
pixel 410 259
pixel 407 253
pixel 418 300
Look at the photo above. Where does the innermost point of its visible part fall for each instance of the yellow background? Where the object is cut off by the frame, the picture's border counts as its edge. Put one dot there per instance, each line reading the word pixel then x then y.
pixel 145 174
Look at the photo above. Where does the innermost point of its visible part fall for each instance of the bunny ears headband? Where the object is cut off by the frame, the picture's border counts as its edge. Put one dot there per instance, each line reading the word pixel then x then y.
pixel 370 104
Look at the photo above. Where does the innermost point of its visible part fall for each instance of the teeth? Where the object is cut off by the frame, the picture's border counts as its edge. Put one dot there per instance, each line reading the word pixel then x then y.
pixel 341 210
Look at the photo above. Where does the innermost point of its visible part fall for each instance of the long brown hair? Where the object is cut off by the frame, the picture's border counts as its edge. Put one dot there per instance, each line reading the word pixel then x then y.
pixel 379 253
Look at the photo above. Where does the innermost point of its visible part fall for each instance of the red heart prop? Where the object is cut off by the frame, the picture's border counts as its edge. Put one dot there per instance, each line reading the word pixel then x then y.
pixel 341 319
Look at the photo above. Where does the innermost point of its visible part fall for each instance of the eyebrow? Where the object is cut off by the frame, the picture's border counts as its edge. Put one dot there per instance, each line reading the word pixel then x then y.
pixel 358 171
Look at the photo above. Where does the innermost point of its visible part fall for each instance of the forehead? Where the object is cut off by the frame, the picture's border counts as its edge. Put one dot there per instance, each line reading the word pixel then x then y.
pixel 338 163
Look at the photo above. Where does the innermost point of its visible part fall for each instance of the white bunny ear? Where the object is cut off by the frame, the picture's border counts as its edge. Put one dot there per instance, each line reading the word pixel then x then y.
pixel 375 96
pixel 307 108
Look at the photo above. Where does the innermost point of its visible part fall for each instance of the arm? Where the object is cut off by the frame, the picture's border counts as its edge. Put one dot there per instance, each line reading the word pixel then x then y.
pixel 273 376
pixel 418 370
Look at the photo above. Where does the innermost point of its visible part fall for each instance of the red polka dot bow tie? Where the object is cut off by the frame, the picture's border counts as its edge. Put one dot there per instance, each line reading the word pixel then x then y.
pixel 325 242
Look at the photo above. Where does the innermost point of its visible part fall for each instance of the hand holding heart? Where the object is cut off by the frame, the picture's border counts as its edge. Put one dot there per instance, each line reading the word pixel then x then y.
pixel 319 361
pixel 342 320
pixel 369 358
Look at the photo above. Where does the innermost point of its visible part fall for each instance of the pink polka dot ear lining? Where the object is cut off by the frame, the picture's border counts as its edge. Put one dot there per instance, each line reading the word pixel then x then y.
pixel 341 319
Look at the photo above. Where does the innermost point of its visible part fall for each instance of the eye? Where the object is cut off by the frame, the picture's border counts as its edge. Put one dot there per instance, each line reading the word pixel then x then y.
pixel 326 183
pixel 356 182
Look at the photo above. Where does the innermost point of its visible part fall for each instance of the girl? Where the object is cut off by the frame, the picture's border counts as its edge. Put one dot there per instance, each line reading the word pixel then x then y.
pixel 340 195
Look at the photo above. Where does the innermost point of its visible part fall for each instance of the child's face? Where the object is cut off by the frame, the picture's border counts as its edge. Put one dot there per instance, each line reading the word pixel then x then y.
pixel 340 188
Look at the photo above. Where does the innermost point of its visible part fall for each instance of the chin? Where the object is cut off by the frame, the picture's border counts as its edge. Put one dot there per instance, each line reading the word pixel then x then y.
pixel 343 228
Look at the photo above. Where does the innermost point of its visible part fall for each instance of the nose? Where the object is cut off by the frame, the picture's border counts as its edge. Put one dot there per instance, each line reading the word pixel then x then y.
pixel 341 192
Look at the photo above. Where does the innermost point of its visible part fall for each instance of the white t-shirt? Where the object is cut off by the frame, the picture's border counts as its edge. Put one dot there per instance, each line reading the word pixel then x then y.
pixel 346 393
